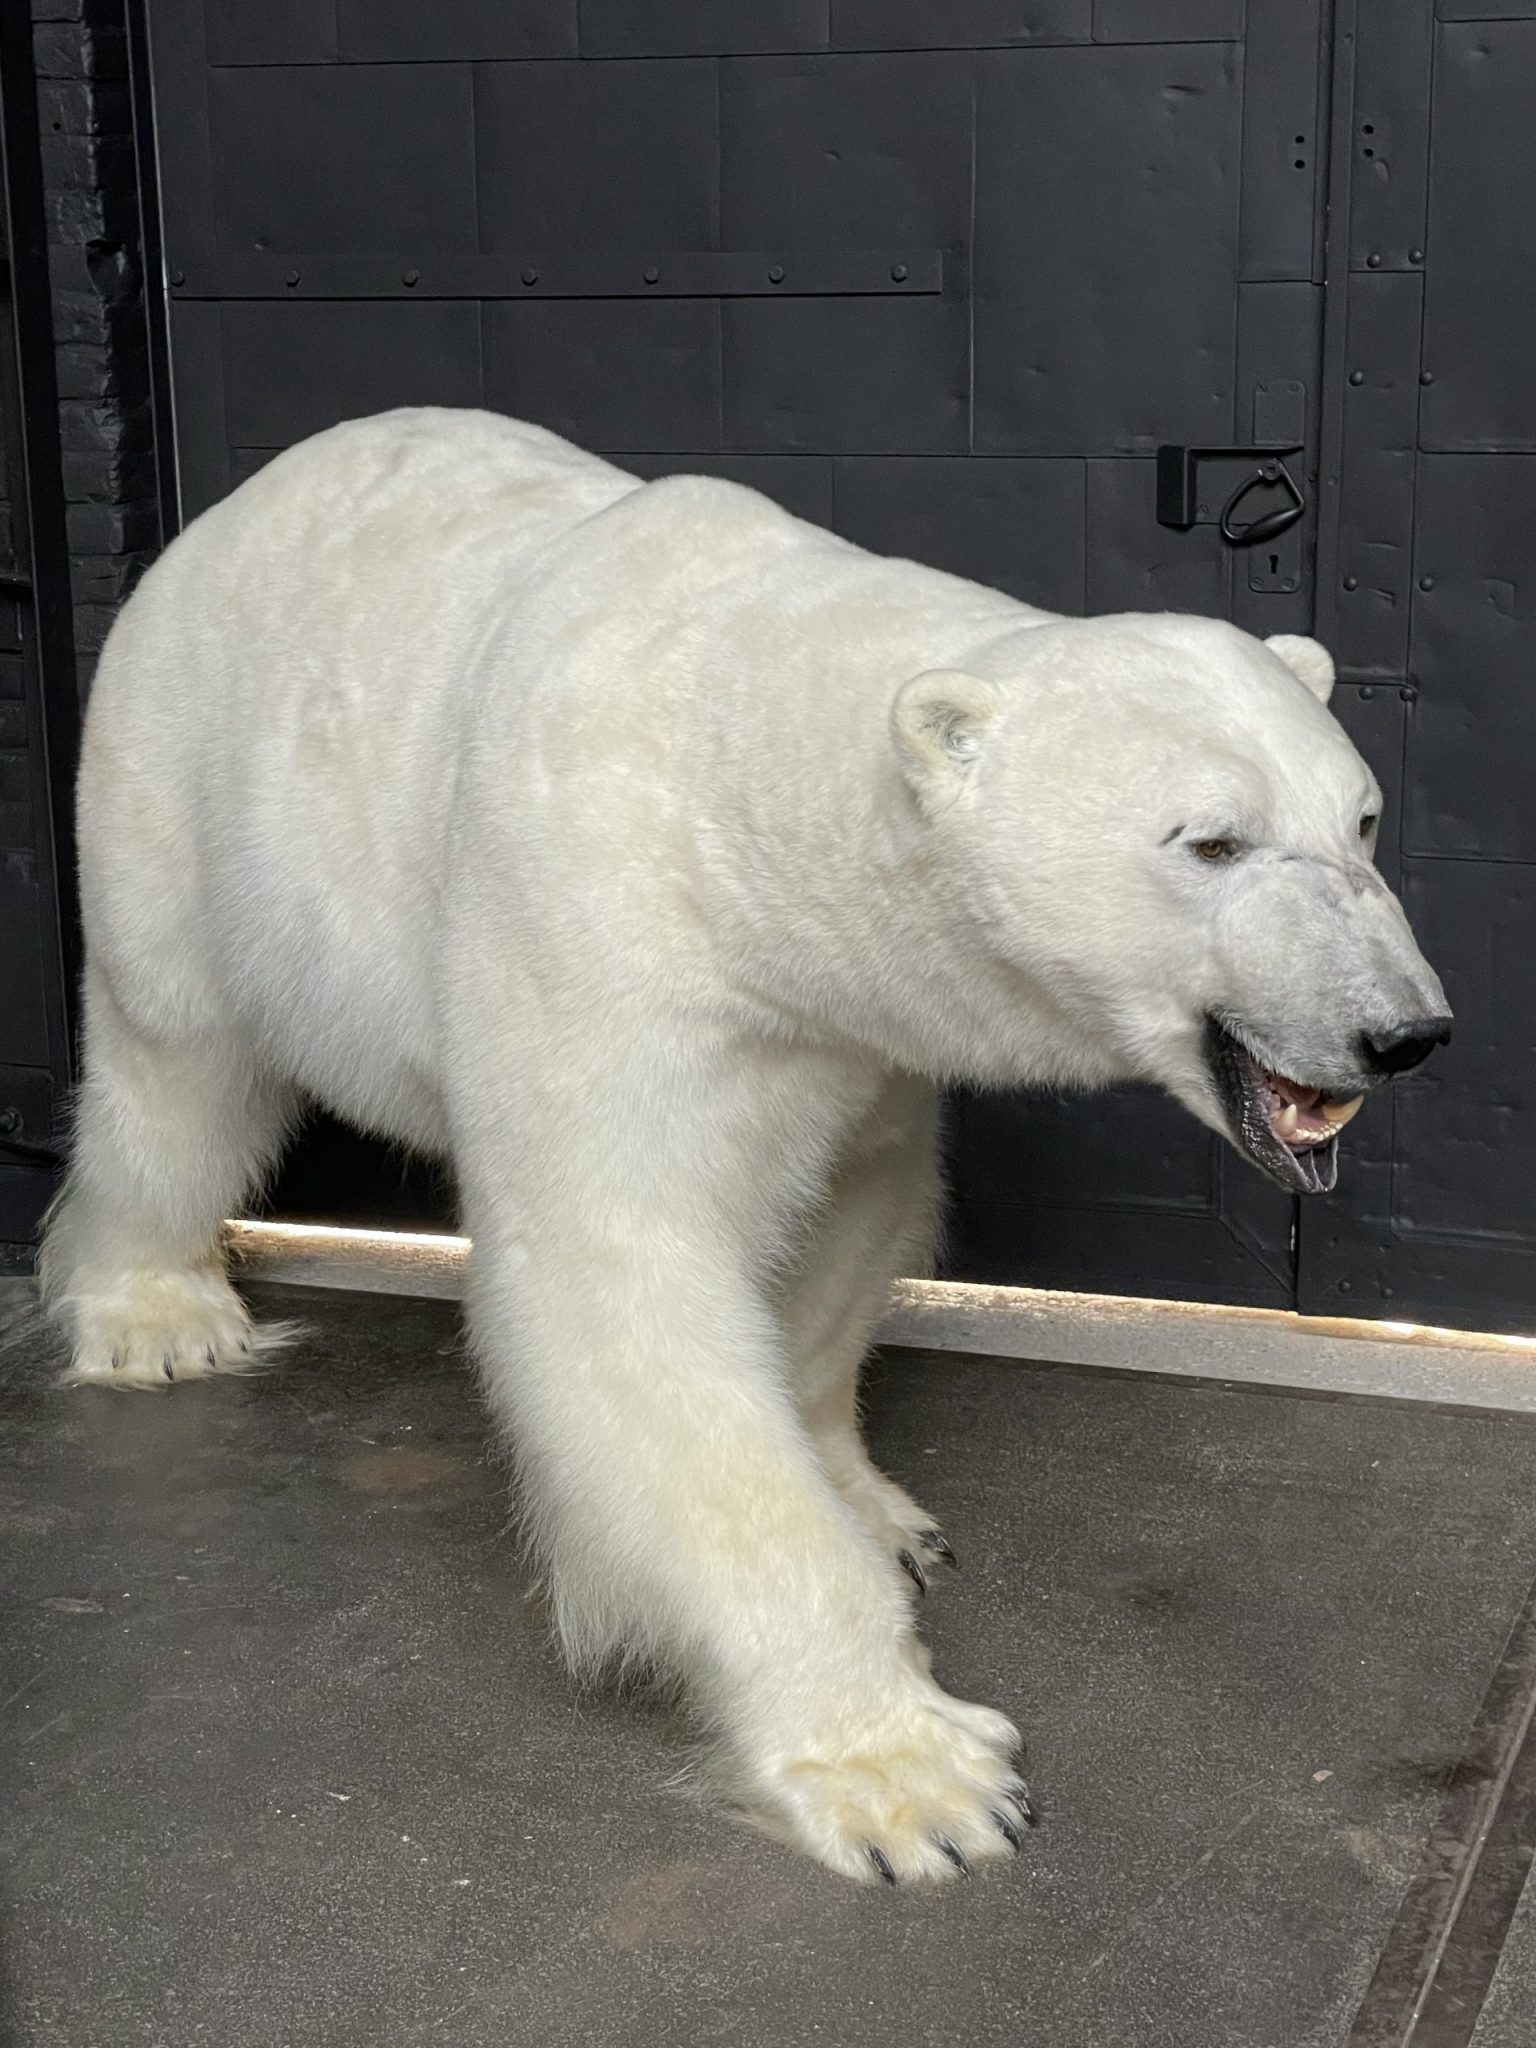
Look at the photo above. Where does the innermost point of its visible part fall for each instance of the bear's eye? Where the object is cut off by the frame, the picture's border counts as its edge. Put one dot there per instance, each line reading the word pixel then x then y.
pixel 1368 824
pixel 1217 849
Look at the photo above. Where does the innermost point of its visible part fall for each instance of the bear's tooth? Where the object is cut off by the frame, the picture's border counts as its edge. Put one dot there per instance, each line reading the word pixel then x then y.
pixel 1287 1120
pixel 1339 1113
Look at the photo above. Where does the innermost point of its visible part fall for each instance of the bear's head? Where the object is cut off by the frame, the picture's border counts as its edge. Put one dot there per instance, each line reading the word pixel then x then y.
pixel 1160 844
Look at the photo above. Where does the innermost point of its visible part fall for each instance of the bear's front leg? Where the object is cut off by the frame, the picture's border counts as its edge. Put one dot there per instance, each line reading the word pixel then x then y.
pixel 683 1517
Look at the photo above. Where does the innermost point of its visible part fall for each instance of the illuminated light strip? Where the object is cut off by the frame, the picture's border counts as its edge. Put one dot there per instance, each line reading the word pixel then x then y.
pixel 340 1235
pixel 262 1243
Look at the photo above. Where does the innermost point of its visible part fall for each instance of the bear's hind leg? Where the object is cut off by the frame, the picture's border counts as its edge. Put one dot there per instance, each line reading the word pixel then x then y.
pixel 880 1223
pixel 171 1133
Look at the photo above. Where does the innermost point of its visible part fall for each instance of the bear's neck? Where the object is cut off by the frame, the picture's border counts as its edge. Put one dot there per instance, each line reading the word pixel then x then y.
pixel 825 905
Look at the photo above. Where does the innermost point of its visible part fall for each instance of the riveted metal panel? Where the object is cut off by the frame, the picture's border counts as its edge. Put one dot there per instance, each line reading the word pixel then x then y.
pixel 1167 21
pixel 560 362
pixel 1467 1126
pixel 1085 161
pixel 1480 298
pixel 1135 565
pixel 330 157
pixel 958 24
pixel 851 152
pixel 1373 573
pixel 682 28
pixel 1016 524
pixel 568 155
pixel 277 32
pixel 432 31
pixel 1389 136
pixel 1279 365
pixel 1281 140
pixel 1474 638
pixel 288 370
pixel 857 376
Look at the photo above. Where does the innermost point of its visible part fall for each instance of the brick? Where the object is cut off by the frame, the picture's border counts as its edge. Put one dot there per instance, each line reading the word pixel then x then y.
pixel 84 163
pixel 71 49
pixel 87 370
pixel 93 622
pixel 105 529
pixel 119 477
pixel 88 428
pixel 70 106
pixel 106 579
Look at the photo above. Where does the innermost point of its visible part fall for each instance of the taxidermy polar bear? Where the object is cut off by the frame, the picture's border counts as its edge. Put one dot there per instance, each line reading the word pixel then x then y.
pixel 652 856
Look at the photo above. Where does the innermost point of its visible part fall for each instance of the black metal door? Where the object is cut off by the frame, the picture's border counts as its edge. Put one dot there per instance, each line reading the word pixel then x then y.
pixel 1427 592
pixel 943 279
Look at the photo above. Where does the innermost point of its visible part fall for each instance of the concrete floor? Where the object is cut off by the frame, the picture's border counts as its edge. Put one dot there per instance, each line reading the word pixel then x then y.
pixel 288 1760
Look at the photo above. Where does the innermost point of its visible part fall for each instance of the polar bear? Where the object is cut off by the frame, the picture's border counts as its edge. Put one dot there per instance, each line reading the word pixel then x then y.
pixel 654 857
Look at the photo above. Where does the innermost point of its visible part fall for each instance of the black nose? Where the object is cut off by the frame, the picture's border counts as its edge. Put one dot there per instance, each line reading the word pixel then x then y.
pixel 1404 1045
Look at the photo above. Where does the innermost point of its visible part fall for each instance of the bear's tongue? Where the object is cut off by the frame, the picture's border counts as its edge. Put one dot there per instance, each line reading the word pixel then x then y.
pixel 1301 1117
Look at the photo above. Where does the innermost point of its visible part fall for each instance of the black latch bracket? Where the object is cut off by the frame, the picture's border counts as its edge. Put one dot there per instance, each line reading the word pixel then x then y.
pixel 1178 483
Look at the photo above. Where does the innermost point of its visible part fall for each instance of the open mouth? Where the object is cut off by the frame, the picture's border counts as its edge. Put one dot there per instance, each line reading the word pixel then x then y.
pixel 1290 1130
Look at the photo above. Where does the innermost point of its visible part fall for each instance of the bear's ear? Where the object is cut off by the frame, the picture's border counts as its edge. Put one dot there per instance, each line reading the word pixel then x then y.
pixel 1305 658
pixel 939 722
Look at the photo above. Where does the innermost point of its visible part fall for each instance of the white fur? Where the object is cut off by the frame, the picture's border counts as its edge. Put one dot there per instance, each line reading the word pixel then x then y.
pixel 599 837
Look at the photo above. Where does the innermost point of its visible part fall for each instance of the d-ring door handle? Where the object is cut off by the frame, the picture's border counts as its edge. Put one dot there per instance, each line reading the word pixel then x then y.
pixel 1268 524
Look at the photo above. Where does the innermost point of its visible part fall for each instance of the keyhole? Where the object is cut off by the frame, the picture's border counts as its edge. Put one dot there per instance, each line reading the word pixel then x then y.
pixel 1274 565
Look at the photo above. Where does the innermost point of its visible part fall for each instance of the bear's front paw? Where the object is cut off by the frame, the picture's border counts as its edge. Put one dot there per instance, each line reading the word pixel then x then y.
pixel 922 1792
pixel 153 1330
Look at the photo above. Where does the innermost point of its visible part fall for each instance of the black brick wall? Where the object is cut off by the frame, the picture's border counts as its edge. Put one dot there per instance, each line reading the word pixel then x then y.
pixel 86 121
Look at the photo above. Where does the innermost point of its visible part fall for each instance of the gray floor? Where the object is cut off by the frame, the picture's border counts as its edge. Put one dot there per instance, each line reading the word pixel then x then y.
pixel 288 1759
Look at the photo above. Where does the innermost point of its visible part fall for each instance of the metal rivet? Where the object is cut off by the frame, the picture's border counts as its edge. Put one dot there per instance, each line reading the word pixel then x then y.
pixel 898 273
pixel 1367 694
pixel 1408 693
pixel 1426 583
pixel 1351 582
pixel 651 273
pixel 409 276
pixel 293 277
pixel 1426 376
pixel 1346 1287
pixel 178 277
pixel 530 277
pixel 776 274
pixel 1415 255
pixel 1387 1293
pixel 1357 376
pixel 1373 263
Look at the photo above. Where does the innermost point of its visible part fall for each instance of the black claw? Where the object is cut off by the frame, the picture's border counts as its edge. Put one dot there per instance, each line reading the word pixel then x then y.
pixel 881 1862
pixel 117 1361
pixel 936 1541
pixel 1022 1801
pixel 913 1569
pixel 166 1368
pixel 950 1849
pixel 1008 1831
pixel 212 1361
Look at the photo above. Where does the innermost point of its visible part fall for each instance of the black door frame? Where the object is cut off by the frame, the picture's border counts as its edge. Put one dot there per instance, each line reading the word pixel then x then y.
pixel 37 585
